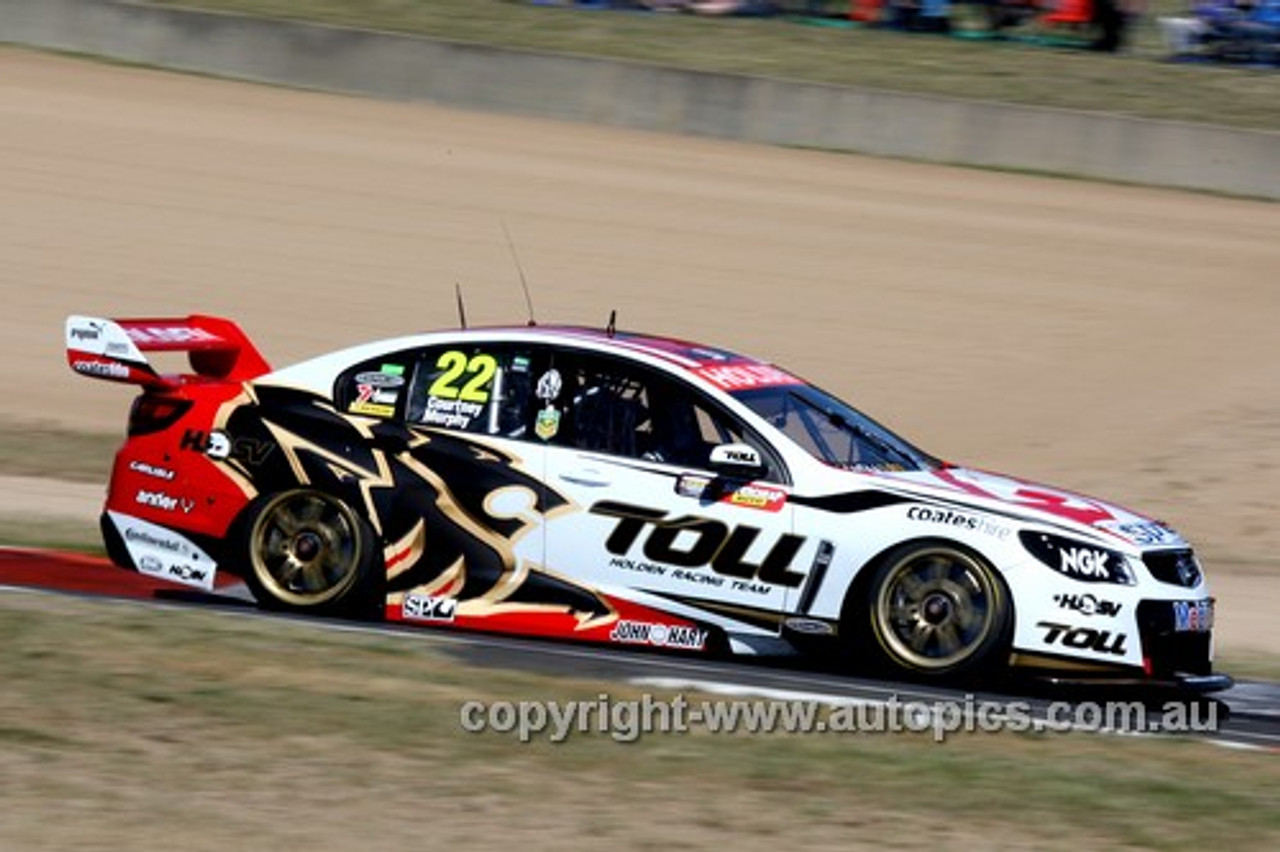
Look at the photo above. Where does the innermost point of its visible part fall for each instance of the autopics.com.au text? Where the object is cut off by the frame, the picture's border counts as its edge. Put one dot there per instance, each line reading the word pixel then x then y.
pixel 627 720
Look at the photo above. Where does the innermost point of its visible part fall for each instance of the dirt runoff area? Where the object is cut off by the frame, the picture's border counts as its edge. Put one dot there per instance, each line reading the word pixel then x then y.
pixel 1116 340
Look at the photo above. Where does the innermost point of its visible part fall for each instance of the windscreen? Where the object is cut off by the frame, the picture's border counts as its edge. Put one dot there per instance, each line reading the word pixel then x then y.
pixel 831 430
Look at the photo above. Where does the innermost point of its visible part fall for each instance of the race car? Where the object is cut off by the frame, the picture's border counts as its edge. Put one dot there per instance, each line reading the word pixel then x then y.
pixel 625 489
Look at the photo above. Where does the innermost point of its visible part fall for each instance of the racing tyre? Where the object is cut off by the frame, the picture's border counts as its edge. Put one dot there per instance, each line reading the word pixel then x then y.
pixel 307 551
pixel 937 610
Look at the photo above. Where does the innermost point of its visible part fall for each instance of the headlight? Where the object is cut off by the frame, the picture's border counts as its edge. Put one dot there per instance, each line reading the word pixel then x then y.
pixel 1077 559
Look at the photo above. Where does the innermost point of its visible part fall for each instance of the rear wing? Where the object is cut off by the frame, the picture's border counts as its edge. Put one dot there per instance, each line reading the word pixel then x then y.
pixel 112 349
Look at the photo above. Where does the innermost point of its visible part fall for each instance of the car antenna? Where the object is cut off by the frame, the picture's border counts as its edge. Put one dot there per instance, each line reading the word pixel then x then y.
pixel 462 309
pixel 612 328
pixel 524 284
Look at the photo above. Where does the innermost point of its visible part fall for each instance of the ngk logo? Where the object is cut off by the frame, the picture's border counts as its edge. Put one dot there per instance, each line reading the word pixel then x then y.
pixel 1085 562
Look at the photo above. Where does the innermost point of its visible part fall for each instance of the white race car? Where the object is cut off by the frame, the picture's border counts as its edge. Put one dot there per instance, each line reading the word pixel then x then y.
pixel 624 489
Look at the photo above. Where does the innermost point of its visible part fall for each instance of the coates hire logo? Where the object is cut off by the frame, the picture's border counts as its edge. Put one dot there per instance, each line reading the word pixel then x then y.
pixel 105 369
pixel 660 635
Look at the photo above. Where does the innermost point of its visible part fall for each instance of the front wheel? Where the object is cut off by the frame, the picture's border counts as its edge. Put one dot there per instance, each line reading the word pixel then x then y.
pixel 308 551
pixel 934 609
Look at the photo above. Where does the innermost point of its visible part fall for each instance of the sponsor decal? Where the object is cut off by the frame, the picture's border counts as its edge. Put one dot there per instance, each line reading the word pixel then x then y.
pixel 1077 560
pixel 379 380
pixel 392 369
pixel 946 517
pixel 731 377
pixel 151 470
pixel 87 331
pixel 1083 638
pixel 169 334
pixel 1145 533
pixel 220 446
pixel 659 635
pixel 690 541
pixel 161 553
pixel 104 369
pixel 429 608
pixel 187 574
pixel 757 497
pixel 549 385
pixel 371 409
pixel 160 541
pixel 1088 604
pixel 748 496
pixel 810 626
pixel 692 486
pixel 547 424
pixel 1193 616
pixel 450 413
pixel 215 444
pixel 164 502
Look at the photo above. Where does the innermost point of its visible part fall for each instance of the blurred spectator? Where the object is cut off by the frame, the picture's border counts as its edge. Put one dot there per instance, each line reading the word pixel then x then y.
pixel 1183 35
pixel 1255 35
pixel 920 16
pixel 1229 30
pixel 733 7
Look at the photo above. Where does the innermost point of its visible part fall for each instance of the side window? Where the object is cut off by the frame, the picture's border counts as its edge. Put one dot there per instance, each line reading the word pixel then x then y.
pixel 610 406
pixel 374 388
pixel 482 389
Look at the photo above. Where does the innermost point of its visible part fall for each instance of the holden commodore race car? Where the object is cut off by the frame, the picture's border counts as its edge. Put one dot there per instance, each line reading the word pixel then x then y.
pixel 625 489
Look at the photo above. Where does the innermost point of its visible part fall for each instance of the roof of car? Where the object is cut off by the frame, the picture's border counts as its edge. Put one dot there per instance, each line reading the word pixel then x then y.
pixel 721 367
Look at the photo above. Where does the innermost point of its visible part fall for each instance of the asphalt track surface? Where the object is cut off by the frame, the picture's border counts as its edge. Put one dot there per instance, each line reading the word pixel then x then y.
pixel 1248 715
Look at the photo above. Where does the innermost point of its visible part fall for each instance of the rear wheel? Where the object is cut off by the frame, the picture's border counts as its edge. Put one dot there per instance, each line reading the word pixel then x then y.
pixel 308 551
pixel 935 609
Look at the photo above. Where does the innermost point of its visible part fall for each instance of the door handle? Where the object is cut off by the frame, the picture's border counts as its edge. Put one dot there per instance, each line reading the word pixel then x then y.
pixel 589 478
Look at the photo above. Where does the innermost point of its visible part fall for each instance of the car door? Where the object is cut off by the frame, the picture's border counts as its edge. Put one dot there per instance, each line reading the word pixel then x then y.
pixel 630 446
pixel 464 519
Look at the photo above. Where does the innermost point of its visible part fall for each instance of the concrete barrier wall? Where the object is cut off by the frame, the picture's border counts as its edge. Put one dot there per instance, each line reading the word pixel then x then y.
pixel 654 98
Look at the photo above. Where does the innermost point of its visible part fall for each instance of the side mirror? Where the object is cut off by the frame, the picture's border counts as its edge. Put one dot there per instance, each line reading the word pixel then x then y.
pixel 737 461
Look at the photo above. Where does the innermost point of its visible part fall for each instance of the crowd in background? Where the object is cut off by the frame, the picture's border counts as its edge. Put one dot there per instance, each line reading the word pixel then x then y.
pixel 1242 31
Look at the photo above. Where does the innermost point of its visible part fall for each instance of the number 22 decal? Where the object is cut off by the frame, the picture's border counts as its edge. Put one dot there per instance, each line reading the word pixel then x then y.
pixel 480 368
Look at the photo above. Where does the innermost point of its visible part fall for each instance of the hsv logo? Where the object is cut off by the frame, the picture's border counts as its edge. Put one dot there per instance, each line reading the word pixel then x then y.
pixel 1087 604
pixel 219 445
pixel 708 543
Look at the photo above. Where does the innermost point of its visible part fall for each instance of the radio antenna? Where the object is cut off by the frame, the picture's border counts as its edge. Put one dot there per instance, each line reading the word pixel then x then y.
pixel 524 284
pixel 612 327
pixel 462 309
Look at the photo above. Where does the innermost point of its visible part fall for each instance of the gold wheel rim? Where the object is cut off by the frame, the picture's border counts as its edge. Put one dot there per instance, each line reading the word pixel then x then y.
pixel 305 548
pixel 936 609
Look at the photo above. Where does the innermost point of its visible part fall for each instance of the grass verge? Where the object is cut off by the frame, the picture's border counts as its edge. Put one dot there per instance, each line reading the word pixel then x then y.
pixel 55 452
pixel 140 726
pixel 1136 83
